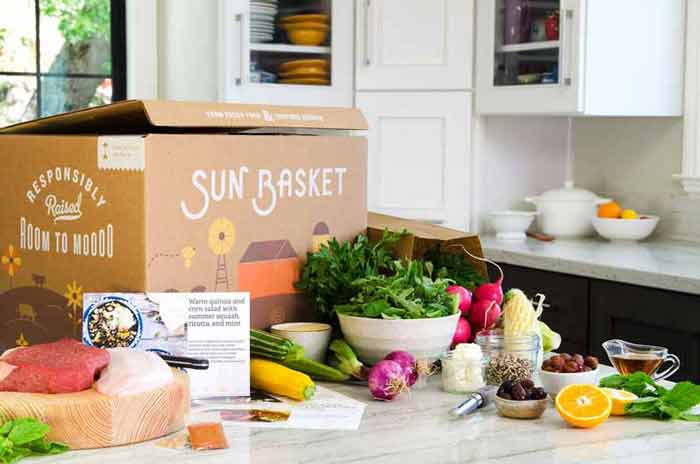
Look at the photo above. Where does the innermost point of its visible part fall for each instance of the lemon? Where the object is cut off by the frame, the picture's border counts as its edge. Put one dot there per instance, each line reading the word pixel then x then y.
pixel 619 399
pixel 629 214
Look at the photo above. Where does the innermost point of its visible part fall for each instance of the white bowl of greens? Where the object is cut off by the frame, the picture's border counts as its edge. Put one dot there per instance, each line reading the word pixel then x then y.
pixel 372 339
pixel 407 311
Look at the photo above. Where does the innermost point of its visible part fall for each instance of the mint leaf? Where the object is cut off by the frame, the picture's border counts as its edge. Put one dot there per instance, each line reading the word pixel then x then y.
pixel 26 430
pixel 683 396
pixel 638 383
pixel 6 427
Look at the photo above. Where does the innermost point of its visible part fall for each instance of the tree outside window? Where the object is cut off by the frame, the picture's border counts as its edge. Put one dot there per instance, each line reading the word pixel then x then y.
pixel 60 55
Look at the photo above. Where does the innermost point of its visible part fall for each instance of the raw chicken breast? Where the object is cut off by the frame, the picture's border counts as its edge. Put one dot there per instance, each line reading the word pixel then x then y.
pixel 130 372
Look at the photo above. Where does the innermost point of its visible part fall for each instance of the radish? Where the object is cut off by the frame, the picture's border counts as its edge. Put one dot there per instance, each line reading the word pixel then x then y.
pixel 484 314
pixel 407 363
pixel 463 332
pixel 464 296
pixel 386 380
pixel 489 291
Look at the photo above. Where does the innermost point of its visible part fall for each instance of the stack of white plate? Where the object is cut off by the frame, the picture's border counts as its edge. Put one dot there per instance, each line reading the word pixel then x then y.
pixel 262 20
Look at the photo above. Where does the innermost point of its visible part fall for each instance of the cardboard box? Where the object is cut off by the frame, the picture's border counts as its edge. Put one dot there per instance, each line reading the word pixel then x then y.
pixel 422 237
pixel 194 197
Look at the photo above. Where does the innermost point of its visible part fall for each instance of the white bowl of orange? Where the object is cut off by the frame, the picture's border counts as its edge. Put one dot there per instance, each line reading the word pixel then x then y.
pixel 583 406
pixel 615 223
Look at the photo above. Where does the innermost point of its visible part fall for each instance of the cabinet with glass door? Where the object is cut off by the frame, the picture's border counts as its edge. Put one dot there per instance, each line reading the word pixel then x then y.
pixel 580 57
pixel 287 52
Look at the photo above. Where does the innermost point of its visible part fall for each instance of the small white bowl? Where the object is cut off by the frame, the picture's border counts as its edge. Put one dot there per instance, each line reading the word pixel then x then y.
pixel 511 225
pixel 372 339
pixel 553 382
pixel 626 229
pixel 313 336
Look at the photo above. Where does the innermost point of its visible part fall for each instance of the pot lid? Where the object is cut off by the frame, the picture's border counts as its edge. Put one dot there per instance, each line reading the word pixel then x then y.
pixel 568 193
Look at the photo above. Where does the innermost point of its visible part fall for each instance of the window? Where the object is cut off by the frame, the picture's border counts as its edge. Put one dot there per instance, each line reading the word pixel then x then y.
pixel 60 55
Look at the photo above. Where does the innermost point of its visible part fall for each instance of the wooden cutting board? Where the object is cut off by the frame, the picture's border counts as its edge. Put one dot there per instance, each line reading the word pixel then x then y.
pixel 92 420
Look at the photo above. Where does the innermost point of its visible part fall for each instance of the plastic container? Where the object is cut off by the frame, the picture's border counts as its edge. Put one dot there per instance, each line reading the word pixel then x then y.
pixel 508 358
pixel 463 369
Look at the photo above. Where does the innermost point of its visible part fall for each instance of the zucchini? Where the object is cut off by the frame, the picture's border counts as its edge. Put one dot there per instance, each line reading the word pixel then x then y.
pixel 277 379
pixel 266 345
pixel 317 370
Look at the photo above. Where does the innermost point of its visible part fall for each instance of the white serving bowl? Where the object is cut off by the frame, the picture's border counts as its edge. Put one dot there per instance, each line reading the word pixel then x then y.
pixel 625 229
pixel 313 336
pixel 553 382
pixel 373 339
pixel 511 225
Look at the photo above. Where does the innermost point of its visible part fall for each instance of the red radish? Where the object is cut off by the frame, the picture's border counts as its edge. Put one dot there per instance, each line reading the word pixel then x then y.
pixel 386 380
pixel 488 291
pixel 464 296
pixel 407 363
pixel 463 332
pixel 484 314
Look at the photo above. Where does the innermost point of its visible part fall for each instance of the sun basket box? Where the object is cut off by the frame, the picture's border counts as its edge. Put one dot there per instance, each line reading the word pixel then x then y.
pixel 171 197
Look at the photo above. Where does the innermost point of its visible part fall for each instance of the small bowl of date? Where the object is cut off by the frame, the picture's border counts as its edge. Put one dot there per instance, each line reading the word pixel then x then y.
pixel 566 369
pixel 521 400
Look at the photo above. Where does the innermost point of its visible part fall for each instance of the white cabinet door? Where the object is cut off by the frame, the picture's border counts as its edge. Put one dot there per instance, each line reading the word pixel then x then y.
pixel 414 44
pixel 553 64
pixel 237 52
pixel 419 152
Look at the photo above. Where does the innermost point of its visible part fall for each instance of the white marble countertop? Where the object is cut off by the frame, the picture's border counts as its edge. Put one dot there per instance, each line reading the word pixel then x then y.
pixel 416 429
pixel 666 264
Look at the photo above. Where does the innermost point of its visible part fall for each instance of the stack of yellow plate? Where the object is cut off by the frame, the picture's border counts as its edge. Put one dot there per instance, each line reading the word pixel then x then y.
pixel 309 72
pixel 306 29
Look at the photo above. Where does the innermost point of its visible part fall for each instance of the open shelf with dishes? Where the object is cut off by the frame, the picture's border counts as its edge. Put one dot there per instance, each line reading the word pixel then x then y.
pixel 290 42
pixel 295 52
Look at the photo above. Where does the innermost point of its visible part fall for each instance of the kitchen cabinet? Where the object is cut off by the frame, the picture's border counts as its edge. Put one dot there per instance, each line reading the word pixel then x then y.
pixel 580 57
pixel 418 155
pixel 648 316
pixel 566 305
pixel 587 312
pixel 249 57
pixel 414 44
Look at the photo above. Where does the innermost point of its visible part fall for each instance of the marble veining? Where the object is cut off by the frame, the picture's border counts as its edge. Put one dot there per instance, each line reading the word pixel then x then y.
pixel 416 429
pixel 665 264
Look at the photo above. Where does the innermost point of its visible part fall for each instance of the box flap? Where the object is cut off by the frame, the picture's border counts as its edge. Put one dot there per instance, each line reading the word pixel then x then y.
pixel 140 117
pixel 420 229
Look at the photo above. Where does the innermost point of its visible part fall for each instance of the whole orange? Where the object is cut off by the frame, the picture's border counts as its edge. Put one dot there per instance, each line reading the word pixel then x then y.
pixel 609 210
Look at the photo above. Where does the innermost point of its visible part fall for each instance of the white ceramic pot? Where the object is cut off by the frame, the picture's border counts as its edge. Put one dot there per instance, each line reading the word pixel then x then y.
pixel 373 339
pixel 567 212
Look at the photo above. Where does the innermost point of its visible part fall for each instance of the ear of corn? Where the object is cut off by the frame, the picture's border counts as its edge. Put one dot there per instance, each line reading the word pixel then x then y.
pixel 519 317
pixel 277 379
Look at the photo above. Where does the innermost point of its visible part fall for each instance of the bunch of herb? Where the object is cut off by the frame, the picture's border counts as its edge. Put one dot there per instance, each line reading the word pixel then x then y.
pixel 22 438
pixel 455 267
pixel 656 401
pixel 329 273
pixel 410 293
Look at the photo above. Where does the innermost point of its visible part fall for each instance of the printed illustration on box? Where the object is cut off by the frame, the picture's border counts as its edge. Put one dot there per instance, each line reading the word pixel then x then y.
pixel 222 236
pixel 268 271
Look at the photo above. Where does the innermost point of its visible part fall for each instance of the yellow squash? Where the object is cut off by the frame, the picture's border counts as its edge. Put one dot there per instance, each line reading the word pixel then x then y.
pixel 277 379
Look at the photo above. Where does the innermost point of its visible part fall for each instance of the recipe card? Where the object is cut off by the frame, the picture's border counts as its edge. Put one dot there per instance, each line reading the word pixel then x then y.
pixel 211 326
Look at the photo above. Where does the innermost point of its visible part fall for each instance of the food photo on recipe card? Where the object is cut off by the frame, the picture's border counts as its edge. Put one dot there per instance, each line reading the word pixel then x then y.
pixel 207 326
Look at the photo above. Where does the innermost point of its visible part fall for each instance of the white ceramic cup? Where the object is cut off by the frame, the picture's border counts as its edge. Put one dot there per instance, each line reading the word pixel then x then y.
pixel 313 336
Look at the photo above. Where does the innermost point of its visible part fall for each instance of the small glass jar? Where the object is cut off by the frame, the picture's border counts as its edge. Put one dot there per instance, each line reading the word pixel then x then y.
pixel 462 369
pixel 508 358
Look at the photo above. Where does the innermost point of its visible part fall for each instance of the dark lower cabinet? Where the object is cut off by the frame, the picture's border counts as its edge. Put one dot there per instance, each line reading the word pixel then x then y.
pixel 648 316
pixel 566 310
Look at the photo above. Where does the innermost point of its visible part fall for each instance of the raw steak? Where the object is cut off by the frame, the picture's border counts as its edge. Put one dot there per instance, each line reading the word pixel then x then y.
pixel 131 372
pixel 65 366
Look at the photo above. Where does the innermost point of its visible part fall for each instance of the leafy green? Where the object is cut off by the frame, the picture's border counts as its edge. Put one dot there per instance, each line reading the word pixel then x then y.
pixel 408 294
pixel 328 275
pixel 656 401
pixel 454 266
pixel 638 383
pixel 21 438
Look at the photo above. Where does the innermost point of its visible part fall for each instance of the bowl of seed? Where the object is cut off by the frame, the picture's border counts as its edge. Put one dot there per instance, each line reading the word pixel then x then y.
pixel 510 358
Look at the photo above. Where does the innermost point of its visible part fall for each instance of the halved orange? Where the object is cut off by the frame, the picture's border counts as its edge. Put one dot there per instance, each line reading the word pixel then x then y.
pixel 619 399
pixel 583 406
